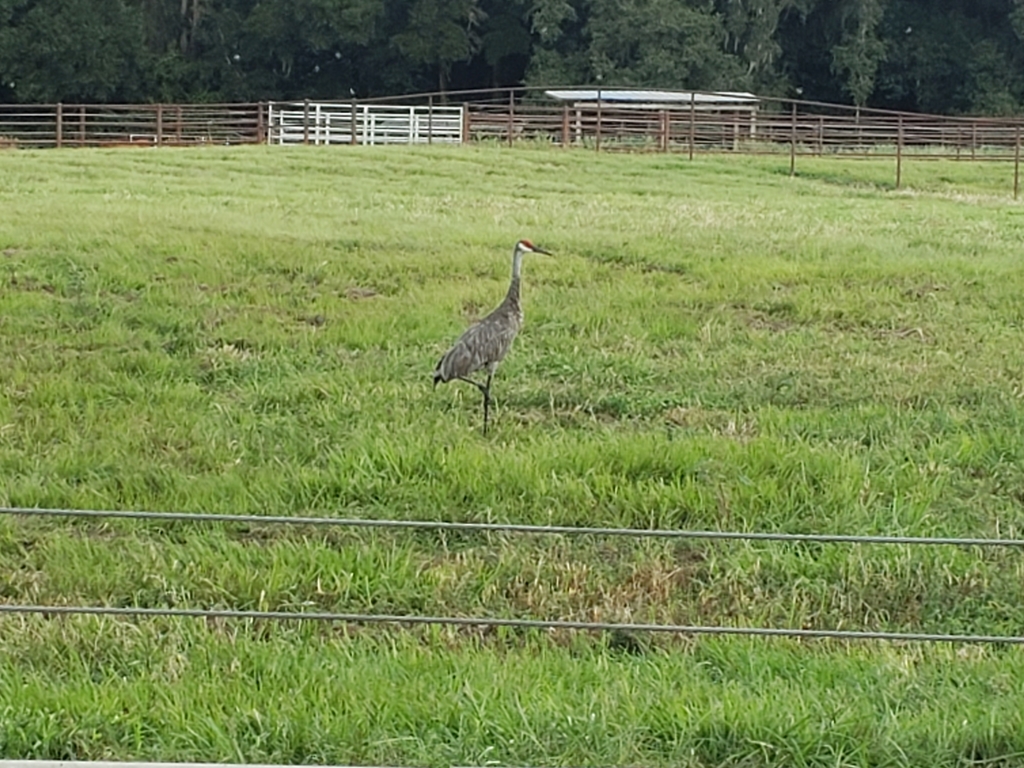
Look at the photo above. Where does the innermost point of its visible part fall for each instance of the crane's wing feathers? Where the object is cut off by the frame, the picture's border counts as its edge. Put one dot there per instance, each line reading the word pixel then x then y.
pixel 483 344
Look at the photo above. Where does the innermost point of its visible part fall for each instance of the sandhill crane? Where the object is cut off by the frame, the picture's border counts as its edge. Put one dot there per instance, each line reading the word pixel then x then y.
pixel 484 344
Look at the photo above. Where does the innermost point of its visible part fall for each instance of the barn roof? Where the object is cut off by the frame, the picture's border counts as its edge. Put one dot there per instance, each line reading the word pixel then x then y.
pixel 654 96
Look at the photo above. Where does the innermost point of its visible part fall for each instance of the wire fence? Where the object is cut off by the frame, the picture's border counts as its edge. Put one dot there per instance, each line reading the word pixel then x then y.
pixel 704 123
pixel 549 530
pixel 495 622
pixel 491 622
pixel 138 764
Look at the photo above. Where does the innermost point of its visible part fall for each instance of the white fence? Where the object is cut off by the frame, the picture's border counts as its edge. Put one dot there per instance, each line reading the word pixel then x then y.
pixel 332 123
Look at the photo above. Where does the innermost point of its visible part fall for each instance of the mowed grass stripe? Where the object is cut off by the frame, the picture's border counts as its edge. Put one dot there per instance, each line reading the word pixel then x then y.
pixel 185 690
pixel 713 345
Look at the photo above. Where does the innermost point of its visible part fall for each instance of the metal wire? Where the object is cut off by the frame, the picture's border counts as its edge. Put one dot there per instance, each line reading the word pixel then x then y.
pixel 356 618
pixel 133 764
pixel 363 618
pixel 826 538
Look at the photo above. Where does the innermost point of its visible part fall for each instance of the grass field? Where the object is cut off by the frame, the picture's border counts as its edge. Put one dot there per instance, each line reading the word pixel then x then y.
pixel 713 345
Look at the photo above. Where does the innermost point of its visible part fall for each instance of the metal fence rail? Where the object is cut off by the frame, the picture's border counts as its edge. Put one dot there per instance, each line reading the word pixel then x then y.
pixel 776 125
pixel 338 123
pixel 491 622
pixel 773 126
pixel 566 530
pixel 815 128
pixel 137 764
pixel 98 125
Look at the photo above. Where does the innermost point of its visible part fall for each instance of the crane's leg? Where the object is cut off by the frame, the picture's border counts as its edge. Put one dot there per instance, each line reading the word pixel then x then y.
pixel 485 389
pixel 487 398
pixel 476 384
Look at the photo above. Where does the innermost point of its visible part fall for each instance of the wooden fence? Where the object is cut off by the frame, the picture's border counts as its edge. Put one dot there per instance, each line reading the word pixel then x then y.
pixel 776 126
pixel 91 125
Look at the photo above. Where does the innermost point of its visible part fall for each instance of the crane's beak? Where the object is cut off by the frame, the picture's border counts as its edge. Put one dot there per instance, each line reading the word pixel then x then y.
pixel 541 250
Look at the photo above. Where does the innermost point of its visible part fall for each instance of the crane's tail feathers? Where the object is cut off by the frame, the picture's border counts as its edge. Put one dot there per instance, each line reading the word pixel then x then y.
pixel 437 378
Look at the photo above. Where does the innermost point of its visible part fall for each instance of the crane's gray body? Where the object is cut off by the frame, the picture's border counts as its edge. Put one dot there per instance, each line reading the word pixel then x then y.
pixel 484 344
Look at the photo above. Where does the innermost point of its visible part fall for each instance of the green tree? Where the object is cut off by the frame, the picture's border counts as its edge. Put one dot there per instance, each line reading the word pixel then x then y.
pixel 666 43
pixel 504 36
pixel 860 50
pixel 439 33
pixel 750 31
pixel 310 46
pixel 951 56
pixel 956 56
pixel 559 54
pixel 72 50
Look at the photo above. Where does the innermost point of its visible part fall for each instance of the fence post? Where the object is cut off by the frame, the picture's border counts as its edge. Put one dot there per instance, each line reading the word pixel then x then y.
pixel 261 129
pixel 81 125
pixel 663 130
pixel 511 114
pixel 1016 161
pixel 597 142
pixel 305 121
pixel 465 122
pixel 352 139
pixel 59 134
pixel 430 119
pixel 974 138
pixel 565 126
pixel 899 151
pixel 178 125
pixel 693 120
pixel 159 124
pixel 792 142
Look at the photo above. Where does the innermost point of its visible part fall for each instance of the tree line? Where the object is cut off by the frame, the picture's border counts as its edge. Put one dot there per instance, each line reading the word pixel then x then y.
pixel 942 56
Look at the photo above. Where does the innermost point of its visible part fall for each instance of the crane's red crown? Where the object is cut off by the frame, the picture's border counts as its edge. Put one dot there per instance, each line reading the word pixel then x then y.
pixel 526 244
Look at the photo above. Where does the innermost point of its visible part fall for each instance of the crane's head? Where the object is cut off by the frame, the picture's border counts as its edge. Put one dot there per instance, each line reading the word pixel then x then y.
pixel 527 247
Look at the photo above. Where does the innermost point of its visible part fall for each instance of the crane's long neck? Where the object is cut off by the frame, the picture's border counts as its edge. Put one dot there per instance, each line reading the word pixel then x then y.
pixel 512 297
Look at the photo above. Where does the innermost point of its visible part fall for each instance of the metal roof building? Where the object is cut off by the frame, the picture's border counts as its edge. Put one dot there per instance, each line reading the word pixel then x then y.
pixel 722 101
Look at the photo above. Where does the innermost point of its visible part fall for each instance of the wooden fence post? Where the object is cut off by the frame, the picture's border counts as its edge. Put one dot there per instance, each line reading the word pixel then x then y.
pixel 1016 161
pixel 663 130
pixel 261 128
pixel 466 126
pixel 159 124
pixel 511 114
pixel 792 142
pixel 59 133
pixel 565 126
pixel 81 125
pixel 597 142
pixel 305 121
pixel 352 138
pixel 899 151
pixel 430 119
pixel 693 120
